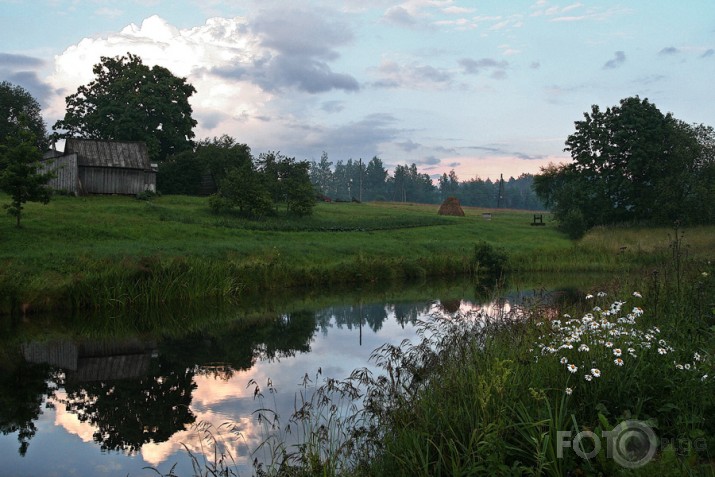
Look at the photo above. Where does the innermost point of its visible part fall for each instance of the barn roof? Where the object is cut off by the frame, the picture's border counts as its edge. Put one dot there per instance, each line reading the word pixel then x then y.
pixel 127 155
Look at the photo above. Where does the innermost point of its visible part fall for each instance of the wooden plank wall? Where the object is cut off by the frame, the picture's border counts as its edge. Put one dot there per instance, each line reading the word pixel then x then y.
pixel 106 180
pixel 65 169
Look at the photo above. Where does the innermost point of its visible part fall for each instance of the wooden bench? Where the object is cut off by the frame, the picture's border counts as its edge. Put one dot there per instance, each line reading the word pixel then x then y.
pixel 538 219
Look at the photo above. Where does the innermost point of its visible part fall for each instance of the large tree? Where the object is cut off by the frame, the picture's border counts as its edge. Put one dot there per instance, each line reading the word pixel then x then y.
pixel 211 159
pixel 630 163
pixel 18 109
pixel 130 101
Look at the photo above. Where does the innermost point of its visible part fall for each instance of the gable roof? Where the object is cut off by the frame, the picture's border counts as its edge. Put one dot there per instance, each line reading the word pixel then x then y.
pixel 127 155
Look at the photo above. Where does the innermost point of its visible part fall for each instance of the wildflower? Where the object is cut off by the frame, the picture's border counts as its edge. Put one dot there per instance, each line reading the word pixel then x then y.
pixel 662 342
pixel 617 352
pixel 596 372
pixel 596 309
pixel 566 315
pixel 687 366
pixel 618 361
pixel 588 377
pixel 662 351
pixel 678 366
pixel 637 311
pixel 583 347
pixel 637 295
pixel 572 368
pixel 601 294
pixel 589 296
pixel 569 391
pixel 705 376
pixel 564 360
pixel 609 344
pixel 696 357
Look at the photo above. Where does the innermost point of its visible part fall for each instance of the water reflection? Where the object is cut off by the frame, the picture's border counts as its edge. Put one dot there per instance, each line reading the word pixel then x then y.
pixel 136 400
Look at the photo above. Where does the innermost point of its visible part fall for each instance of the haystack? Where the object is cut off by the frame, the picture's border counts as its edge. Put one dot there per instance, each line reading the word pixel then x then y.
pixel 451 207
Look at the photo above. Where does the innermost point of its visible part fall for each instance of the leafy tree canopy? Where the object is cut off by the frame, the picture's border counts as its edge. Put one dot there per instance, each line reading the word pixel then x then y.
pixel 630 163
pixel 18 110
pixel 129 101
pixel 210 161
pixel 256 188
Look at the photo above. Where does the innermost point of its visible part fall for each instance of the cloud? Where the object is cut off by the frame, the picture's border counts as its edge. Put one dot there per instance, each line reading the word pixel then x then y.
pixel 399 15
pixel 22 70
pixel 306 74
pixel 408 146
pixel 474 67
pixel 616 62
pixel 296 48
pixel 668 51
pixel 11 61
pixel 500 150
pixel 577 12
pixel 333 106
pixel 428 161
pixel 415 76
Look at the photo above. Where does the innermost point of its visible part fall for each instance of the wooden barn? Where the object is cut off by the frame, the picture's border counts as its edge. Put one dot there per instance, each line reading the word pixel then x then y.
pixel 90 166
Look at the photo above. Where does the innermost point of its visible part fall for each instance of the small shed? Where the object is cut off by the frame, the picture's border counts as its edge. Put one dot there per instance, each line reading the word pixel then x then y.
pixel 90 166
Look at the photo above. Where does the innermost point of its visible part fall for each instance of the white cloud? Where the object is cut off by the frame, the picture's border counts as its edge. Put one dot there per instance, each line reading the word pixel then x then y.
pixel 223 103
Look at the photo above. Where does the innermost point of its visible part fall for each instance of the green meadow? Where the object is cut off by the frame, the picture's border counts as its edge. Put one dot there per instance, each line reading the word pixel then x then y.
pixel 100 251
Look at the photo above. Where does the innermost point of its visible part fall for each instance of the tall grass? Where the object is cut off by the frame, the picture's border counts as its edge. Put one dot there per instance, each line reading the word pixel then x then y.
pixel 495 395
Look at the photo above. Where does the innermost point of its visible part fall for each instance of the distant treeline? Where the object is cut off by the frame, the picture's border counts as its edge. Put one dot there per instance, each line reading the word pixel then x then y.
pixel 358 180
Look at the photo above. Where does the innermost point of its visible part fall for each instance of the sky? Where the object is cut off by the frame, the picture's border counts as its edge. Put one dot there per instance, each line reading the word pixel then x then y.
pixel 483 87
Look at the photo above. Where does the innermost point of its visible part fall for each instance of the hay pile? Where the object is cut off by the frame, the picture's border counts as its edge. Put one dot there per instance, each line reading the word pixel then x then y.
pixel 451 207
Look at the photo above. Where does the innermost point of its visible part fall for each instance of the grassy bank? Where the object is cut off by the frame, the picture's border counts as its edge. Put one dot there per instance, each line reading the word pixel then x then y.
pixel 122 252
pixel 617 383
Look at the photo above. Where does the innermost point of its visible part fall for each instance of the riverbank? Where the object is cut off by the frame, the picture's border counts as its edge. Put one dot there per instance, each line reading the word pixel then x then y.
pixel 120 252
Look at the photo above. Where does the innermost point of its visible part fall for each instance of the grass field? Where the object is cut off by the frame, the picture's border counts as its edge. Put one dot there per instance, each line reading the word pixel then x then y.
pixel 92 251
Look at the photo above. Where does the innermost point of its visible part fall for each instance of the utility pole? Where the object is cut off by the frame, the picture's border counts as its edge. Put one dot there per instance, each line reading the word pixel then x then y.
pixel 500 195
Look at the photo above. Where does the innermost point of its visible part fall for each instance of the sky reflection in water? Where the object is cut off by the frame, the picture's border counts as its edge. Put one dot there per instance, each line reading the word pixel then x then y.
pixel 96 425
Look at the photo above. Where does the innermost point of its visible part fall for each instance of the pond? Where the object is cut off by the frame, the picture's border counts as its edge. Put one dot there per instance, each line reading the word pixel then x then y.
pixel 89 400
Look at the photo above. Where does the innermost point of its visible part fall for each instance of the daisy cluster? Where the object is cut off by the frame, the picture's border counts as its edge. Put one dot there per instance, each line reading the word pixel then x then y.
pixel 698 363
pixel 608 335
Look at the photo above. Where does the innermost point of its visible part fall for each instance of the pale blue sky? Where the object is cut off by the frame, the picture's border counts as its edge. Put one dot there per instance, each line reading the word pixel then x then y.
pixel 484 87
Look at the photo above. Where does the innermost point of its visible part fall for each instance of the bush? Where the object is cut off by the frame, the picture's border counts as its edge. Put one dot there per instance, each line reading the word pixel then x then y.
pixel 573 224
pixel 488 261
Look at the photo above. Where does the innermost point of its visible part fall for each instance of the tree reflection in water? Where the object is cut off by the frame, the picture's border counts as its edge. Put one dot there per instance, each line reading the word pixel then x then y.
pixel 134 391
pixel 23 388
